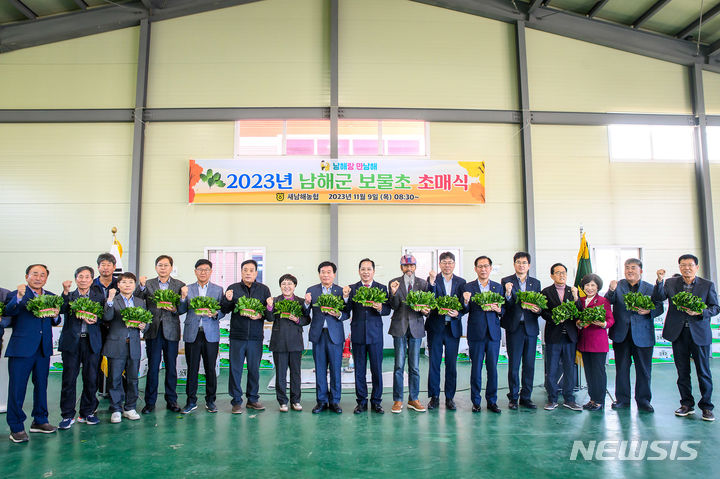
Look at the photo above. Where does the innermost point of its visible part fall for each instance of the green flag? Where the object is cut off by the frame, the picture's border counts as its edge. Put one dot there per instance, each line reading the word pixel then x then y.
pixel 583 263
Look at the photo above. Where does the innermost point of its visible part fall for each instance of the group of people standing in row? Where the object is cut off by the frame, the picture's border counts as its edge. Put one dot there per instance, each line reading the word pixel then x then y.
pixel 84 341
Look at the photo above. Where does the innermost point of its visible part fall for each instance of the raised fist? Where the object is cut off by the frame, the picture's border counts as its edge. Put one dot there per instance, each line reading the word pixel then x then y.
pixel 269 301
pixel 508 287
pixel 613 285
pixel 66 285
pixel 574 291
pixel 183 292
pixel 346 292
pixel 21 290
pixel 394 287
pixel 660 274
pixel 111 294
pixel 308 298
pixel 467 296
pixel 143 280
pixel 432 275
pixel 229 294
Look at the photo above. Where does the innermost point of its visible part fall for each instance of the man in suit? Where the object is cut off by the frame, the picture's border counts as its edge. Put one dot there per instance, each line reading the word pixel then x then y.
pixel 521 332
pixel 246 337
pixel 105 281
pixel 560 341
pixel 29 351
pixel 483 335
pixel 80 345
pixel 162 336
pixel 367 338
pixel 444 331
pixel 4 321
pixel 407 327
pixel 690 333
pixel 122 348
pixel 327 335
pixel 633 337
pixel 201 336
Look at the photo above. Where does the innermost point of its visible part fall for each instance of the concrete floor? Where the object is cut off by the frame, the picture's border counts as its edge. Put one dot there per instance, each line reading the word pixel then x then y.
pixel 439 443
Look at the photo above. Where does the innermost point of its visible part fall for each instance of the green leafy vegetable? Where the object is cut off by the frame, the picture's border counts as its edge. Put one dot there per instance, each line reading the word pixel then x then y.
pixel 212 178
pixel 2 308
pixel 368 296
pixel 419 300
pixel 566 311
pixel 447 303
pixel 45 306
pixel 249 307
pixel 166 298
pixel 591 315
pixel 134 316
pixel 329 302
pixel 86 308
pixel 205 305
pixel 528 299
pixel 287 308
pixel 685 301
pixel 486 299
pixel 635 301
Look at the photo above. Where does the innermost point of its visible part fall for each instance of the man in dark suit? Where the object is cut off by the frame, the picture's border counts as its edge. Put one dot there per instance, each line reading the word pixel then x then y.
pixel 633 337
pixel 483 335
pixel 4 321
pixel 560 341
pixel 105 281
pixel 690 333
pixel 444 331
pixel 162 336
pixel 246 337
pixel 29 351
pixel 80 344
pixel 122 348
pixel 327 335
pixel 407 327
pixel 201 336
pixel 366 333
pixel 521 332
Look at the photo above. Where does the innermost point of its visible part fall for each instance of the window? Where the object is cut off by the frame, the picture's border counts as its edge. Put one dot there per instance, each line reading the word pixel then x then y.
pixel 226 263
pixel 312 138
pixel 713 141
pixel 609 262
pixel 427 258
pixel 651 143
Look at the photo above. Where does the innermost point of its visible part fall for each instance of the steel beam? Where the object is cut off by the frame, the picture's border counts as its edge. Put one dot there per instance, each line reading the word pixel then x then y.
pixel 596 8
pixel 432 114
pixel 703 18
pixel 82 4
pixel 647 14
pixel 67 116
pixel 581 118
pixel 232 114
pixel 24 9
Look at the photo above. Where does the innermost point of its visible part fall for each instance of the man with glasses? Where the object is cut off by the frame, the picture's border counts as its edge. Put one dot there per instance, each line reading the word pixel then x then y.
pixel 521 332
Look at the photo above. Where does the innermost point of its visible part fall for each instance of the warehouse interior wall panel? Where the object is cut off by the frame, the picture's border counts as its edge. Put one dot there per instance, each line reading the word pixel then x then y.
pixel 96 71
pixel 711 87
pixel 269 53
pixel 395 53
pixel 62 189
pixel 571 75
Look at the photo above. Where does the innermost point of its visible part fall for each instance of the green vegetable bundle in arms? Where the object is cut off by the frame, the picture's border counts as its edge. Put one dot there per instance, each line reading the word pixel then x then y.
pixel 687 302
pixel 249 307
pixel 369 296
pixel 86 308
pixel 528 299
pixel 45 306
pixel 445 304
pixel 205 306
pixel 596 314
pixel 2 308
pixel 566 311
pixel 487 299
pixel 636 301
pixel 135 316
pixel 287 308
pixel 166 299
pixel 419 300
pixel 330 303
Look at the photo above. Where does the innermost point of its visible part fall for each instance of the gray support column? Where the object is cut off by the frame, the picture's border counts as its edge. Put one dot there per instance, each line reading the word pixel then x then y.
pixel 526 144
pixel 334 241
pixel 133 263
pixel 702 176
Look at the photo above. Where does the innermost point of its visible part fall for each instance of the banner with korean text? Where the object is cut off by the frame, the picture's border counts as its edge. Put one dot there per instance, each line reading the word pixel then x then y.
pixel 313 180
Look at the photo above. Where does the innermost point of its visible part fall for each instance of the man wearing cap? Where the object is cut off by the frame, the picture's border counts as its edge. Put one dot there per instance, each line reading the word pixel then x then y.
pixel 407 327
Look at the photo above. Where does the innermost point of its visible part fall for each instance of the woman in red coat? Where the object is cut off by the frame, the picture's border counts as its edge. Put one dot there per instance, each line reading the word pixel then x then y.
pixel 593 342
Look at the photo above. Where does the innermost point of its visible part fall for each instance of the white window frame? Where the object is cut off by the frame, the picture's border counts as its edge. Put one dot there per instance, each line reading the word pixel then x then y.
pixel 653 132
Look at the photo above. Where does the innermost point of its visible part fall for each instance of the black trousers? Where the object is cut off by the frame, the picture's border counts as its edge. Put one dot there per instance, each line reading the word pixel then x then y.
pixel 72 360
pixel 685 348
pixel 625 353
pixel 595 375
pixel 283 360
pixel 201 348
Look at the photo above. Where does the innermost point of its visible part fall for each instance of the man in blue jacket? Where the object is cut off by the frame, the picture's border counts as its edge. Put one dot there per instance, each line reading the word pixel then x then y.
pixel 29 352
pixel 633 337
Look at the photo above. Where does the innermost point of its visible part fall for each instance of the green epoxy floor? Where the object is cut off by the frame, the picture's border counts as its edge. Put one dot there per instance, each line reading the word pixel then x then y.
pixel 434 444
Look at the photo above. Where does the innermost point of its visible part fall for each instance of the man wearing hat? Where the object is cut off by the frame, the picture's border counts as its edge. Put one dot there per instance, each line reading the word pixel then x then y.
pixel 407 327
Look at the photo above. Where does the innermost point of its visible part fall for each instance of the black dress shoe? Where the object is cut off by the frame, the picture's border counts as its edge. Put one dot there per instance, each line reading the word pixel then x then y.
pixel 335 407
pixel 450 405
pixel 620 405
pixel 319 407
pixel 148 409
pixel 494 408
pixel 512 405
pixel 595 407
pixel 708 415
pixel 683 411
pixel 434 403
pixel 528 403
pixel 476 408
pixel 378 409
pixel 647 407
pixel 172 406
pixel 360 408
